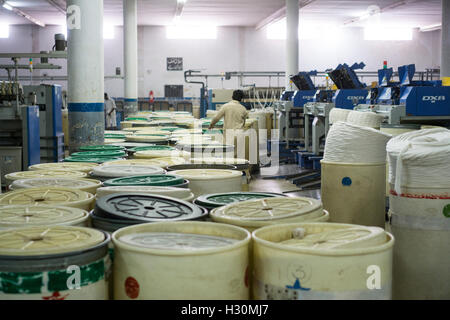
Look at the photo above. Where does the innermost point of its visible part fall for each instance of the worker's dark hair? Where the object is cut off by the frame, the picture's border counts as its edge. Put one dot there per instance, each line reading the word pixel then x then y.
pixel 106 95
pixel 238 95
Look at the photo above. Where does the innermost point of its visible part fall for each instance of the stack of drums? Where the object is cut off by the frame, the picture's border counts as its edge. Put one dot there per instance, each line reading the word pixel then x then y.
pixel 205 181
pixel 420 213
pixel 322 261
pixel 354 176
pixel 209 260
pixel 38 263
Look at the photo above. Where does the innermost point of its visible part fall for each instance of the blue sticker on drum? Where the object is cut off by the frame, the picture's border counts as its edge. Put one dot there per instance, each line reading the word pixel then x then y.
pixel 346 181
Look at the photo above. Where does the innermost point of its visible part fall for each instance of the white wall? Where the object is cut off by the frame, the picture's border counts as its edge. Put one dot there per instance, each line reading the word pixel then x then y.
pixel 235 49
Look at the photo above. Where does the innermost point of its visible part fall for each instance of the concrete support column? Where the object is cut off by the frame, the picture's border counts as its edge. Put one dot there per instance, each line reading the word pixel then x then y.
pixel 130 39
pixel 292 51
pixel 85 73
pixel 445 57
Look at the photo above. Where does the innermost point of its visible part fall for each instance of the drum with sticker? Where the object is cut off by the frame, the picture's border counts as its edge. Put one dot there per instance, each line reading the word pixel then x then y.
pixel 354 193
pixel 189 261
pixel 54 263
pixel 322 261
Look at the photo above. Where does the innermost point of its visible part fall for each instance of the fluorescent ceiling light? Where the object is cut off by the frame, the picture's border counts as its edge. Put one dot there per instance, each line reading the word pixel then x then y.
pixel 432 27
pixel 191 32
pixel 277 31
pixel 387 34
pixel 108 31
pixel 4 31
pixel 7 6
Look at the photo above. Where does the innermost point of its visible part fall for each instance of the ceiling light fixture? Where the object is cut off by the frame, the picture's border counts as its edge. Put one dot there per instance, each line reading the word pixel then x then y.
pixel 7 6
pixel 432 27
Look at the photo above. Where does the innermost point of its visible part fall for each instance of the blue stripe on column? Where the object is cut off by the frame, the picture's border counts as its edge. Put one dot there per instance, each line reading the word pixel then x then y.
pixel 86 107
pixel 130 100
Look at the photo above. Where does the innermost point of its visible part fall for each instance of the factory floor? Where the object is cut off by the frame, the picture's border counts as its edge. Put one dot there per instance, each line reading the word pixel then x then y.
pixel 265 181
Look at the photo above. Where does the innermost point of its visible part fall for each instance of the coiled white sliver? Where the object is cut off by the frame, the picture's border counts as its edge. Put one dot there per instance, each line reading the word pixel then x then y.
pixel 349 143
pixel 365 119
pixel 420 159
pixel 338 114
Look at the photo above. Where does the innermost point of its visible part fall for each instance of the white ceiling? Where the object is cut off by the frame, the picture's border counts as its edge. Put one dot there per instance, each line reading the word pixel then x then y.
pixel 415 13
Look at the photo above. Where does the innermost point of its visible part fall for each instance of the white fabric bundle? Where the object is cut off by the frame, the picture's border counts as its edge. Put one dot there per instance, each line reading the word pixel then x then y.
pixel 365 119
pixel 338 114
pixel 420 159
pixel 349 143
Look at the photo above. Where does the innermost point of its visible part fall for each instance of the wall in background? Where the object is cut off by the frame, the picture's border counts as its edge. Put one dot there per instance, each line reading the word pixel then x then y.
pixel 235 49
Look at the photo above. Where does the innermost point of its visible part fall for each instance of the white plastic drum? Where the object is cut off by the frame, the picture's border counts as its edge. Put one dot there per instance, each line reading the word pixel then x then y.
pixel 65 166
pixel 354 193
pixel 158 162
pixel 206 181
pixel 147 138
pixel 44 174
pixel 117 171
pixel 211 160
pixel 151 154
pixel 178 193
pixel 19 216
pixel 253 214
pixel 66 197
pixel 207 260
pixel 49 263
pixel 322 261
pixel 114 141
pixel 88 185
pixel 421 228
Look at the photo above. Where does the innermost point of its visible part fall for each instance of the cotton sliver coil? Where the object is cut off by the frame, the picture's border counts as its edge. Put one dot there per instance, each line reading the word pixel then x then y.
pixel 338 114
pixel 420 159
pixel 365 119
pixel 349 143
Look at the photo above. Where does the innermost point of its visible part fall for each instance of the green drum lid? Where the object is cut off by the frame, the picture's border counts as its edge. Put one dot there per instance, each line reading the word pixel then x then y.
pixel 152 148
pixel 136 119
pixel 99 154
pixel 214 131
pixel 146 180
pixel 221 199
pixel 101 148
pixel 91 159
pixel 218 124
pixel 114 136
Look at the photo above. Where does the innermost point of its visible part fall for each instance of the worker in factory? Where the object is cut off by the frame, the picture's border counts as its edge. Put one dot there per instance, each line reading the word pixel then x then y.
pixel 233 112
pixel 110 113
